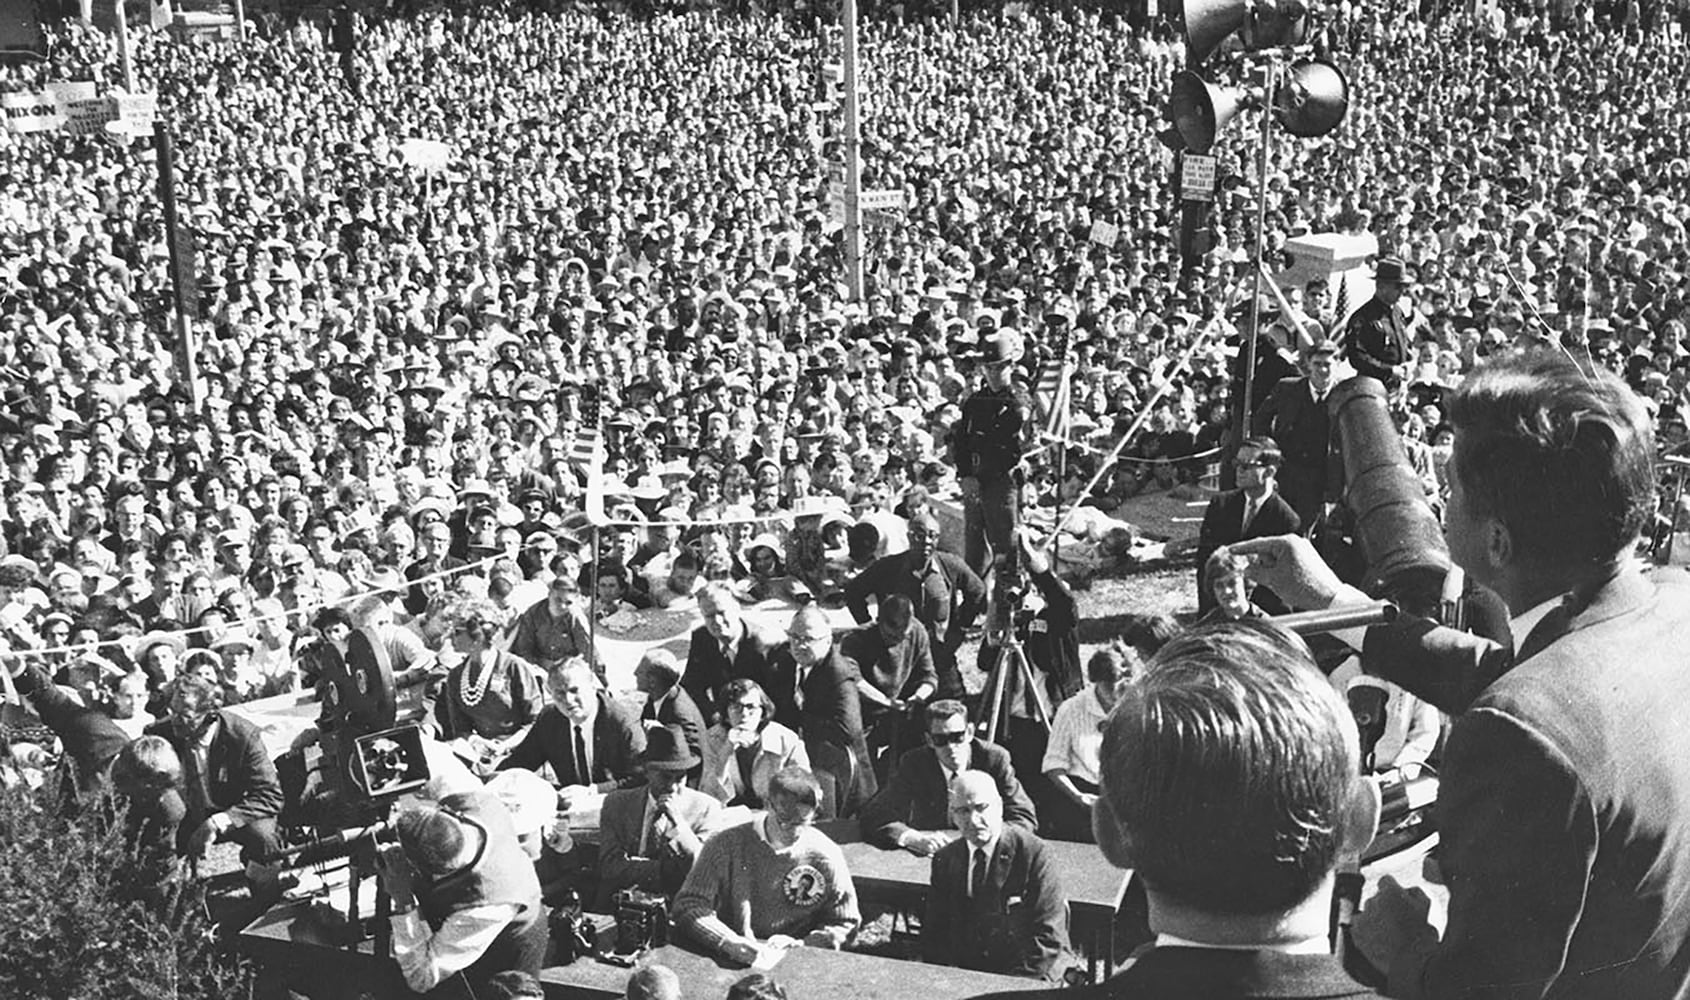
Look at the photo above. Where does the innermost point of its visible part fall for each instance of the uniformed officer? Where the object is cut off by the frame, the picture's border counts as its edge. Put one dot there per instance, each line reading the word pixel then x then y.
pixel 987 444
pixel 1376 337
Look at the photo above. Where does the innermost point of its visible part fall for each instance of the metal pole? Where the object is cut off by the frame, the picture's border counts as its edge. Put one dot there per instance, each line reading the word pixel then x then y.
pixel 853 159
pixel 181 265
pixel 124 59
pixel 1241 420
pixel 240 21
pixel 1199 341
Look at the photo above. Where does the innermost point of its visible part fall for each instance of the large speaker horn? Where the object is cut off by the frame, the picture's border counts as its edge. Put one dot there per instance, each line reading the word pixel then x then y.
pixel 1199 110
pixel 1312 99
pixel 1261 24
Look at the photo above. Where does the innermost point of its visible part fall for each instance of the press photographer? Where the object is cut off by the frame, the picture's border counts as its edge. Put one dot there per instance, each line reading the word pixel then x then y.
pixel 466 902
pixel 1032 619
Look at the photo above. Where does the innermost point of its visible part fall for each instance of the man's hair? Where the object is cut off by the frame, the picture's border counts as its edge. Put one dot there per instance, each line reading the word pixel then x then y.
pixel 897 608
pixel 1266 449
pixel 1228 767
pixel 811 614
pixel 653 982
pixel 659 658
pixel 1149 633
pixel 1224 564
pixel 720 593
pixel 944 708
pixel 756 986
pixel 686 560
pixel 147 764
pixel 1564 459
pixel 431 838
pixel 796 783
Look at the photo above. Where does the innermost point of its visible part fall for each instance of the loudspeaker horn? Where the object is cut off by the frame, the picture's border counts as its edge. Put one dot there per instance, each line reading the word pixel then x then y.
pixel 1312 99
pixel 1261 24
pixel 1199 109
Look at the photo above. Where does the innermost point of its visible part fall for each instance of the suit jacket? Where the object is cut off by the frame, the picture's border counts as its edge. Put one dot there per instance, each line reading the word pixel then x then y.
pixel 91 739
pixel 1223 524
pixel 239 775
pixel 678 709
pixel 777 747
pixel 830 719
pixel 916 797
pixel 1302 428
pixel 1018 926
pixel 1564 808
pixel 708 671
pixel 1214 974
pixel 618 742
pixel 659 868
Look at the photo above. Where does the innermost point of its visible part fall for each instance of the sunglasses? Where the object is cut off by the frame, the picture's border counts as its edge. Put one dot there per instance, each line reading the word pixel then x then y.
pixel 948 739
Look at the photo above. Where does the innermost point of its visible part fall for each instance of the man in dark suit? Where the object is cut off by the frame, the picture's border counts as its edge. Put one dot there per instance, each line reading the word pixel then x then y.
pixel 1232 787
pixel 91 739
pixel 724 648
pixel 667 703
pixel 1253 510
pixel 582 720
pixel 996 902
pixel 1296 418
pixel 1376 337
pixel 913 810
pixel 1564 829
pixel 433 541
pixel 230 784
pixel 814 689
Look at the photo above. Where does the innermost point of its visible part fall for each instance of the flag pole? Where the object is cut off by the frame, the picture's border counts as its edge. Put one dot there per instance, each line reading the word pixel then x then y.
pixel 1138 422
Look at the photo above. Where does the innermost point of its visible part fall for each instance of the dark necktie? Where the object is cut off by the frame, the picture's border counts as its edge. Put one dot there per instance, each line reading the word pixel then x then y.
pixel 193 780
pixel 583 775
pixel 977 882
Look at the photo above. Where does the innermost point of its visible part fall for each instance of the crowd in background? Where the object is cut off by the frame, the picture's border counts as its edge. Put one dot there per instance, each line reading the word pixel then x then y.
pixel 633 232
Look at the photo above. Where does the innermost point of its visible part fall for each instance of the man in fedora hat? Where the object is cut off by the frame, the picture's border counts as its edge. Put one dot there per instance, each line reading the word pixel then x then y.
pixel 650 836
pixel 1376 337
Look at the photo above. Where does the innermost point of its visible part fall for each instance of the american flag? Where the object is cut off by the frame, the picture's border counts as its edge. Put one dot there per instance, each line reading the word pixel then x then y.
pixel 1052 389
pixel 1342 311
pixel 587 451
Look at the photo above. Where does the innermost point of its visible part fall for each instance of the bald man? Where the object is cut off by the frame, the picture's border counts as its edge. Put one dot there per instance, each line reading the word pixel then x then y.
pixel 996 901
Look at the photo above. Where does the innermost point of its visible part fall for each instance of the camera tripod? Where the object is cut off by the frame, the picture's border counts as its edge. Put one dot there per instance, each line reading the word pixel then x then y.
pixel 998 705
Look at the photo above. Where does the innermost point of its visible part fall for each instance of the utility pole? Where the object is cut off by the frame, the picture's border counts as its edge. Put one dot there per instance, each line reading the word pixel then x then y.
pixel 124 59
pixel 853 159
pixel 181 263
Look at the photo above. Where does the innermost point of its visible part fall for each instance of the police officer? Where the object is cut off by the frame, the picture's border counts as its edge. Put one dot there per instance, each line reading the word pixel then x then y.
pixel 987 444
pixel 1376 339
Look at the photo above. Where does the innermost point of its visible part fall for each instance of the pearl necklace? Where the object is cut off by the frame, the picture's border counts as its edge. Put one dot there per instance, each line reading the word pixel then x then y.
pixel 472 688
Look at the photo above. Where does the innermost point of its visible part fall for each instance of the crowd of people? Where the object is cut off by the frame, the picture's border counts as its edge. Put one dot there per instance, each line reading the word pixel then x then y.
pixel 413 380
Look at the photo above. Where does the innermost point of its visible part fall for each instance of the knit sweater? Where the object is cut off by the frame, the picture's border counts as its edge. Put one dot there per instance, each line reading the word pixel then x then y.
pixel 741 885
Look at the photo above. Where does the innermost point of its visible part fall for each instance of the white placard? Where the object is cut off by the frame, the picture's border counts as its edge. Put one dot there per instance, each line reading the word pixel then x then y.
pixel 31 112
pixel 1104 234
pixel 1197 177
pixel 887 198
pixel 85 111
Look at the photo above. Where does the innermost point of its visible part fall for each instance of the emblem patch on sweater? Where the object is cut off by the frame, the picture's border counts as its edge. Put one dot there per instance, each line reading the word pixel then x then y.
pixel 805 885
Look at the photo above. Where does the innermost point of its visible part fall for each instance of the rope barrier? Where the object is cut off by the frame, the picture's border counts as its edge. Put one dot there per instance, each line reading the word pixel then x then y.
pixel 259 619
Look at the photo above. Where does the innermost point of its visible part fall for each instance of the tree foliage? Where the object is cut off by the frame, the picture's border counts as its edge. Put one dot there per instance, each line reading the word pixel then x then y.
pixel 82 917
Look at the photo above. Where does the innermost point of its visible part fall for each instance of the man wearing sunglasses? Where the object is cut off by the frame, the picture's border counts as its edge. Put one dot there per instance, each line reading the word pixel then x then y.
pixel 913 810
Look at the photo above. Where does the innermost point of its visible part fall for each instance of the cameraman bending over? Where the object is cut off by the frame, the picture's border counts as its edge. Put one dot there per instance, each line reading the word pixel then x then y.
pixel 465 896
pixel 1564 812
